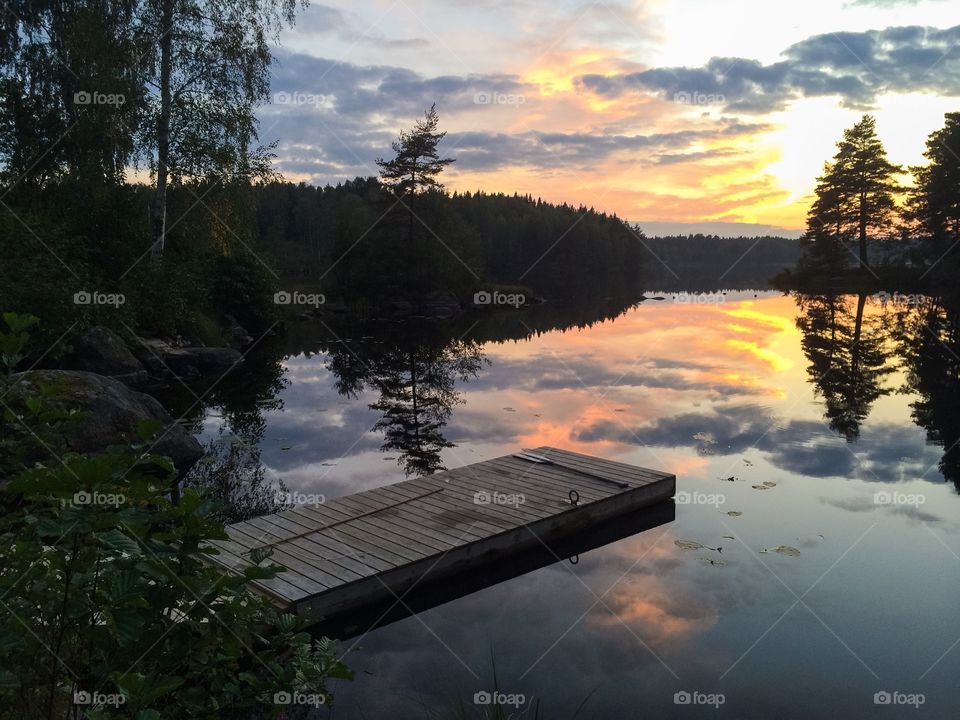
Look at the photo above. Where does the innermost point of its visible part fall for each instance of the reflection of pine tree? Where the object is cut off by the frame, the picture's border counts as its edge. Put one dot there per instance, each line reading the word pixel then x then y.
pixel 931 351
pixel 846 350
pixel 416 379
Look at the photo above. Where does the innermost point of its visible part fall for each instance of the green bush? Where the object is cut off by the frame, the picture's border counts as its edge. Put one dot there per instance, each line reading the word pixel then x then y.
pixel 109 594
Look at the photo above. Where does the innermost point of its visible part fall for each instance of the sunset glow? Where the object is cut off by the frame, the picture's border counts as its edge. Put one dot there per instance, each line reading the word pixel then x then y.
pixel 668 111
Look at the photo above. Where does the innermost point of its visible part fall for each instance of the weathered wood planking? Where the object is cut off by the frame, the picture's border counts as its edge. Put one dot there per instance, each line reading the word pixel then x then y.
pixel 380 543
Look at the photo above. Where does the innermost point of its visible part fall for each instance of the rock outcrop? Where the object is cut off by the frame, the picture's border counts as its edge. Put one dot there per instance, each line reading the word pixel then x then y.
pixel 112 412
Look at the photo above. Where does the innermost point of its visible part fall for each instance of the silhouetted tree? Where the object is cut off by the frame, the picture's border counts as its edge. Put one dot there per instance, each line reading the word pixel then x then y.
pixel 414 170
pixel 935 200
pixel 855 195
pixel 828 233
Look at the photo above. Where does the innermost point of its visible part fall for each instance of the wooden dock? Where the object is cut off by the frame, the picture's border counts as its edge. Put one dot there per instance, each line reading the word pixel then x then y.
pixel 377 544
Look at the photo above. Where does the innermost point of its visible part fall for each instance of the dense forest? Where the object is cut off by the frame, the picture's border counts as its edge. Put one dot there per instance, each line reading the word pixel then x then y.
pixel 464 241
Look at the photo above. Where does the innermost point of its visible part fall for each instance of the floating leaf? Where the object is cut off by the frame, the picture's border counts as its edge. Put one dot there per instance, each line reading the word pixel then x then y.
pixel 728 537
pixel 747 463
pixel 732 478
pixel 694 545
pixel 760 487
pixel 260 554
pixel 783 550
pixel 768 483
pixel 712 561
pixel 509 409
pixel 734 513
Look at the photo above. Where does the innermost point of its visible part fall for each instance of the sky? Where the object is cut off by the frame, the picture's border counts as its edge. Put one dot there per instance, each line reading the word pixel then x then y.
pixel 680 115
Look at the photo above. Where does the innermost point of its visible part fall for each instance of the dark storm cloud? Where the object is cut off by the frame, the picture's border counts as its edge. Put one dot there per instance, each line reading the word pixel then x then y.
pixel 857 66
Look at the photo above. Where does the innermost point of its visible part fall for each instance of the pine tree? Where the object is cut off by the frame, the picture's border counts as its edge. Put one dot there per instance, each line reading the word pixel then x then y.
pixel 864 180
pixel 935 201
pixel 414 170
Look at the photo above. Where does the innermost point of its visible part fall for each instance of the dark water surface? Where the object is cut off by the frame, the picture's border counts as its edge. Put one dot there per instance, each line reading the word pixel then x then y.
pixel 843 405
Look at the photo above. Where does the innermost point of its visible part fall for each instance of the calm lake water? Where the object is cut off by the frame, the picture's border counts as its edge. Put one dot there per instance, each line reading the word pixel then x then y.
pixel 840 405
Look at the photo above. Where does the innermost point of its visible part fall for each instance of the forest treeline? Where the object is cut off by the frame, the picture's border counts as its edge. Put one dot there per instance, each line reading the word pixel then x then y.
pixel 463 242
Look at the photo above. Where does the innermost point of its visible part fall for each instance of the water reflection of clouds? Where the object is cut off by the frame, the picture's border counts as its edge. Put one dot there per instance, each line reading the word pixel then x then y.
pixel 888 452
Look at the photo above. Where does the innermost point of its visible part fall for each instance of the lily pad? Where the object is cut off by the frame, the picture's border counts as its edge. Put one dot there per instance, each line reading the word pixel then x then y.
pixel 734 513
pixel 783 550
pixel 732 478
pixel 768 483
pixel 760 487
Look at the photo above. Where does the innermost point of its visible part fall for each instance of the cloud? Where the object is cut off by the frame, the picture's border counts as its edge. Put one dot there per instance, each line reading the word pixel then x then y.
pixel 349 27
pixel 857 66
pixel 337 118
pixel 887 453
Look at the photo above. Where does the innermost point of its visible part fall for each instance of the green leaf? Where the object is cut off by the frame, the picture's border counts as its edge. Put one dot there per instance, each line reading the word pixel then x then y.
pixel 117 540
pixel 19 323
pixel 148 428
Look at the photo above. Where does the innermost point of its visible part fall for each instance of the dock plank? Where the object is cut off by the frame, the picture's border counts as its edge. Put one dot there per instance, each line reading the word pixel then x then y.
pixel 365 547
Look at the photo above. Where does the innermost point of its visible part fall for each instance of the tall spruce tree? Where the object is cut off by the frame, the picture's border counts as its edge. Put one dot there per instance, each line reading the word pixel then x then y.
pixel 935 200
pixel 864 179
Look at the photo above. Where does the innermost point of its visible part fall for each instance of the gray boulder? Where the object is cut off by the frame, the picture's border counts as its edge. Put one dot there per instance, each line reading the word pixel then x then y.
pixel 100 350
pixel 112 413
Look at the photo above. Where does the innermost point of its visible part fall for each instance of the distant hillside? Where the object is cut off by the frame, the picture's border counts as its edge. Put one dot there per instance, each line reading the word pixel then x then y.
pixel 707 262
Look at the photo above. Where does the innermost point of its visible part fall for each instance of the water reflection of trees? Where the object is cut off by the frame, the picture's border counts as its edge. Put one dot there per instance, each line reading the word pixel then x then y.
pixel 846 348
pixel 415 375
pixel 852 349
pixel 930 346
